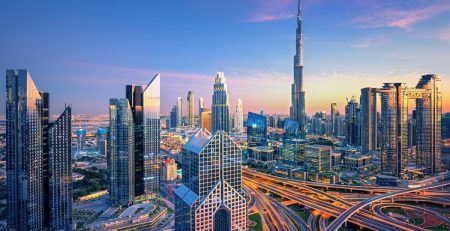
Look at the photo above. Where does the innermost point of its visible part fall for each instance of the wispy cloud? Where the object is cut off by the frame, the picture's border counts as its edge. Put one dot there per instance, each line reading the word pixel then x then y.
pixel 444 35
pixel 272 10
pixel 399 18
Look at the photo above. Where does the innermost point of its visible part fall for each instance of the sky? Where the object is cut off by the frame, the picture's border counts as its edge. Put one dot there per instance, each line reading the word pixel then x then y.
pixel 85 52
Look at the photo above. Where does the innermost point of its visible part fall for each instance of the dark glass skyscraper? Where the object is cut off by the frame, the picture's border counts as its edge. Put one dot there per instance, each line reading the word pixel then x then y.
pixel 121 168
pixel 351 122
pixel 220 107
pixel 256 130
pixel 369 138
pixel 36 152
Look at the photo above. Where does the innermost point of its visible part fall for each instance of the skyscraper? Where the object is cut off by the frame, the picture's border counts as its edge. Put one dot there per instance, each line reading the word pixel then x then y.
pixel 38 158
pixel 121 159
pixel 60 172
pixel 239 117
pixel 205 117
pixel 191 102
pixel 351 122
pixel 201 108
pixel 134 96
pixel 298 94
pixel 152 129
pixel 102 141
pixel 220 107
pixel 369 119
pixel 173 117
pixel 211 195
pixel 179 112
pixel 429 116
pixel 256 130
pixel 333 110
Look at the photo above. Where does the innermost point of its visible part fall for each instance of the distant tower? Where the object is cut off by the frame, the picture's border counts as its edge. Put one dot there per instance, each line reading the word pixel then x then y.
pixel 191 102
pixel 179 112
pixel 173 117
pixel 220 107
pixel 298 94
pixel 351 122
pixel 201 108
pixel 333 110
pixel 369 123
pixel 121 159
pixel 211 196
pixel 239 117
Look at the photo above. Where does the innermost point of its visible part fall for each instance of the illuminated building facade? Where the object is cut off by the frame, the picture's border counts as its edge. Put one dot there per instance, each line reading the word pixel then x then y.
pixel 211 196
pixel 256 130
pixel 317 158
pixel 220 107
pixel 206 120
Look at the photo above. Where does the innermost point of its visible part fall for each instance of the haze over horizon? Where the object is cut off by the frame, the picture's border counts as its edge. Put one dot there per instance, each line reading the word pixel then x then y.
pixel 85 53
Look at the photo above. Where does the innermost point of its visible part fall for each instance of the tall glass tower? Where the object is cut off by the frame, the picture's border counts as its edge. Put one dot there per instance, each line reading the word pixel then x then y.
pixel 256 130
pixel 369 127
pixel 191 118
pixel 151 97
pixel 298 94
pixel 239 117
pixel 38 158
pixel 121 157
pixel 211 196
pixel 220 107
pixel 179 112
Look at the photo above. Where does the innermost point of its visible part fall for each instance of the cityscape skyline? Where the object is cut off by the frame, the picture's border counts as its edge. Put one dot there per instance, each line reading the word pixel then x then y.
pixel 365 48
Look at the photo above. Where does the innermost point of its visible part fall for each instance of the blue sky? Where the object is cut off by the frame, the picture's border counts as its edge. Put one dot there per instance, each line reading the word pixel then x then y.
pixel 84 52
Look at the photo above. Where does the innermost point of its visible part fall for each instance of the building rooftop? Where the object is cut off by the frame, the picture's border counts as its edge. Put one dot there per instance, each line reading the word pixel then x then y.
pixel 198 141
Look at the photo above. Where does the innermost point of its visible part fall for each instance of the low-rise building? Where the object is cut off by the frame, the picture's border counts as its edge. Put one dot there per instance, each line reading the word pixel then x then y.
pixel 261 154
pixel 169 170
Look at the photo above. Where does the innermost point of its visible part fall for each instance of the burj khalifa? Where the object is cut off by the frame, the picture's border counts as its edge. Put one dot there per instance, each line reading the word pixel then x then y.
pixel 298 94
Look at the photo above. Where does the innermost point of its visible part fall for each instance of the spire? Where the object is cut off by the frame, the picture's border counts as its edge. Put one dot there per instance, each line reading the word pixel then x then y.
pixel 299 12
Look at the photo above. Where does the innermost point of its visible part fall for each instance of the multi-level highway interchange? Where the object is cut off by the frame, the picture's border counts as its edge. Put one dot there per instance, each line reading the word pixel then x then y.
pixel 340 207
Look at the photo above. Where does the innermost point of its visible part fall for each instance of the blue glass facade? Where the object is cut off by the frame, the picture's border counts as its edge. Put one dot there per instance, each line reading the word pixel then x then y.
pixel 256 130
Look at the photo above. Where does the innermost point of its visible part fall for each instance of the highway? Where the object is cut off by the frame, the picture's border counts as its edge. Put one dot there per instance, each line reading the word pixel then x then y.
pixel 355 208
pixel 378 207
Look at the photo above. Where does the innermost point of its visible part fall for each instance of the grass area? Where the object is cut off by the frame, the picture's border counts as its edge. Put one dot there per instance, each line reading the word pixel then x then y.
pixel 394 210
pixel 303 213
pixel 169 210
pixel 417 220
pixel 256 218
pixel 440 227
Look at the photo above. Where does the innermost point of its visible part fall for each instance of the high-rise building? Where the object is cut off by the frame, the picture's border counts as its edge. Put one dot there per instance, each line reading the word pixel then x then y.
pixel 81 139
pixel 298 94
pixel 211 196
pixel 121 168
pixel 152 129
pixel 134 96
pixel 239 117
pixel 220 106
pixel 38 158
pixel 191 102
pixel 429 115
pixel 369 139
pixel 60 172
pixel 351 122
pixel 201 108
pixel 179 112
pixel 446 126
pixel 102 141
pixel 256 130
pixel 333 110
pixel 394 116
pixel 293 152
pixel 317 158
pixel 173 117
pixel 206 118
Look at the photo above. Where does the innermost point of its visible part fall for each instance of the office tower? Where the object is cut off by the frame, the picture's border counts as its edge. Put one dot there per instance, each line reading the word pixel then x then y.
pixel 394 115
pixel 429 113
pixel 179 112
pixel 191 118
pixel 290 129
pixel 351 125
pixel 169 170
pixel 121 159
pixel 152 129
pixel 446 126
pixel 201 108
pixel 102 141
pixel 134 95
pixel 339 124
pixel 205 117
pixel 333 118
pixel 239 117
pixel 220 107
pixel 173 117
pixel 38 154
pixel 60 172
pixel 298 94
pixel 317 158
pixel 211 195
pixel 293 152
pixel 369 119
pixel 81 139
pixel 256 130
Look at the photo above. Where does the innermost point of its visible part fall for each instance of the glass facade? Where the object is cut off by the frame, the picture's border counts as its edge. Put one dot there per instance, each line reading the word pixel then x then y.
pixel 211 196
pixel 121 153
pixel 369 131
pixel 290 129
pixel 317 158
pixel 220 107
pixel 256 130
pixel 191 117
pixel 293 152
pixel 151 99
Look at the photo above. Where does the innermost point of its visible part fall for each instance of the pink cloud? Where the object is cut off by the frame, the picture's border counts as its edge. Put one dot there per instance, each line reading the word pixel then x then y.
pixel 272 10
pixel 400 18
